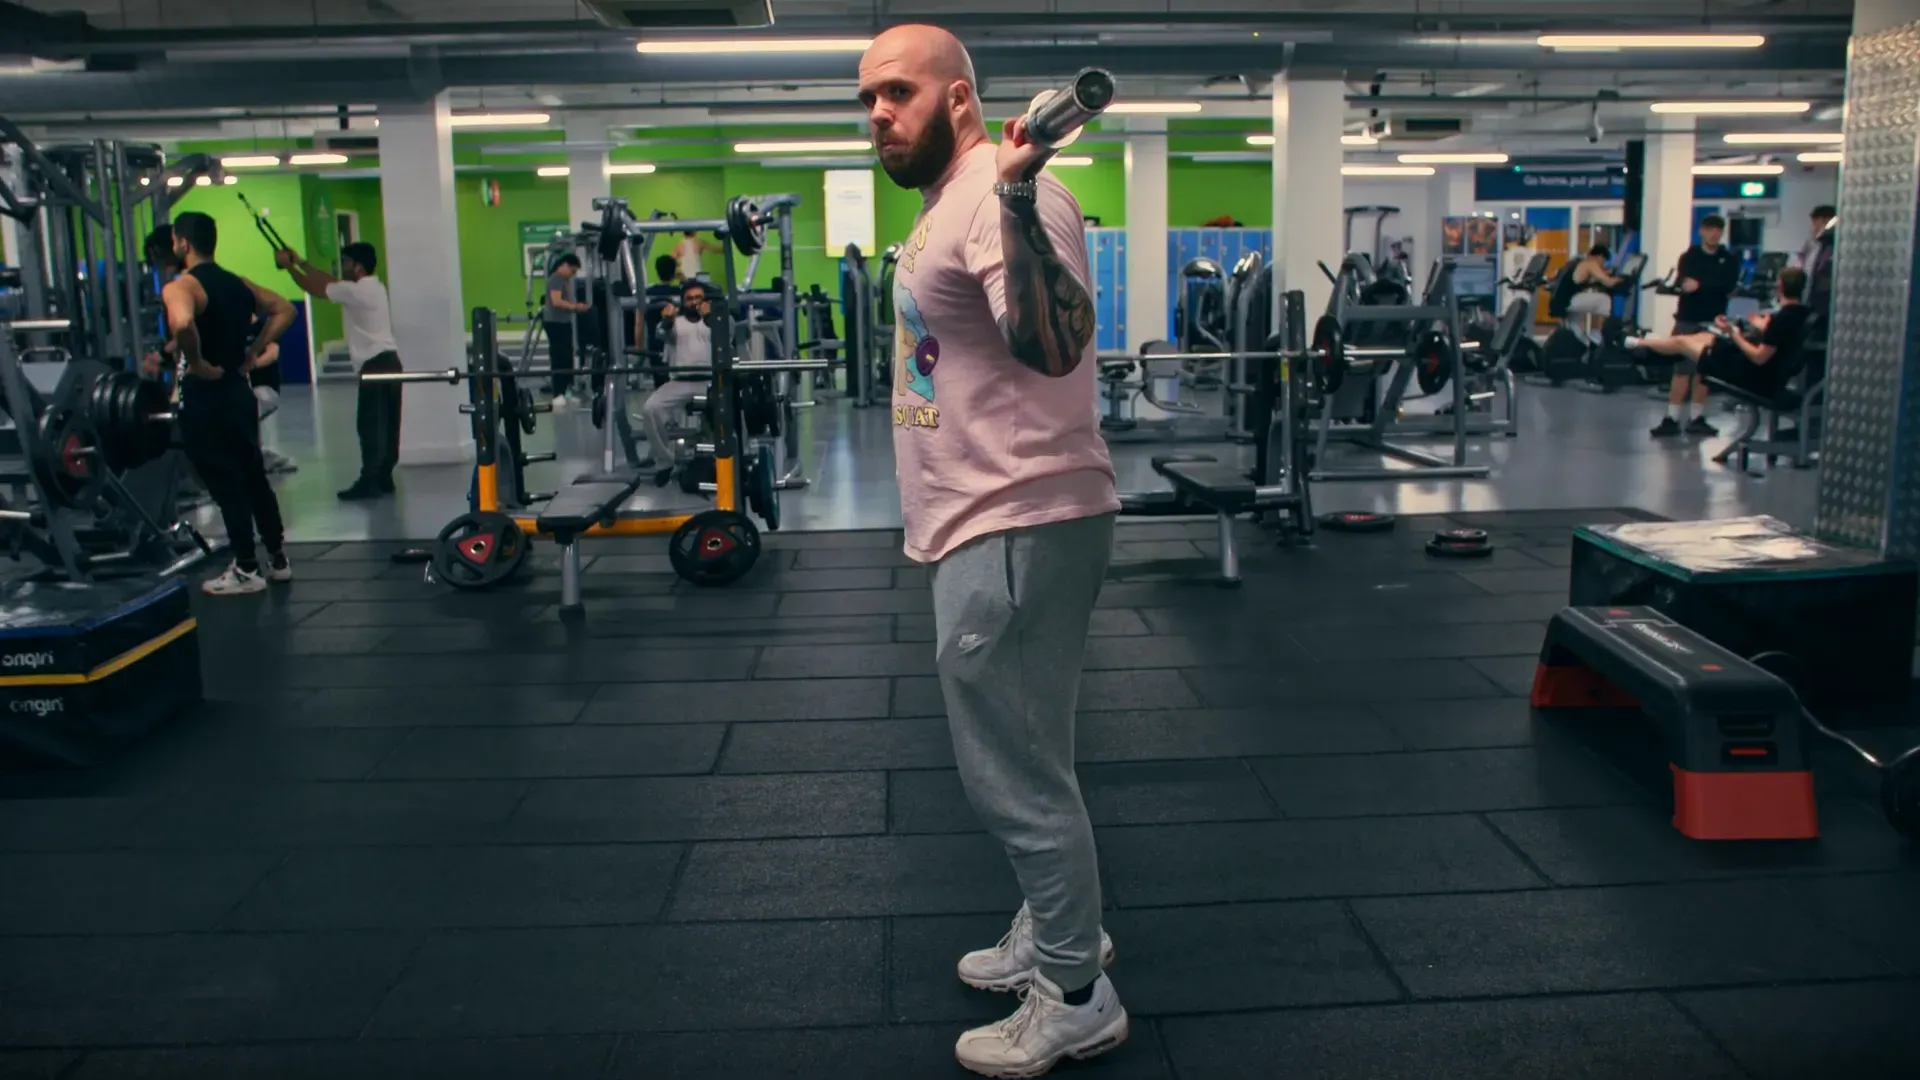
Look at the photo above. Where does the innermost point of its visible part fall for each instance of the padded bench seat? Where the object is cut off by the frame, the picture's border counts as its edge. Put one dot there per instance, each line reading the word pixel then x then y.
pixel 1223 488
pixel 578 507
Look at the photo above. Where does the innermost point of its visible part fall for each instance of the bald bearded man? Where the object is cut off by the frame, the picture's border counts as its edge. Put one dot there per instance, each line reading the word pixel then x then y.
pixel 1007 492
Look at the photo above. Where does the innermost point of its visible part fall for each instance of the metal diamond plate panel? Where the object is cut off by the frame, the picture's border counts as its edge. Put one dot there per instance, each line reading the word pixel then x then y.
pixel 1870 460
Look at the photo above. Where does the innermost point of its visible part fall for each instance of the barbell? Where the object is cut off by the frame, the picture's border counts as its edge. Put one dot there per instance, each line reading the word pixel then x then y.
pixel 745 224
pixel 457 375
pixel 1327 355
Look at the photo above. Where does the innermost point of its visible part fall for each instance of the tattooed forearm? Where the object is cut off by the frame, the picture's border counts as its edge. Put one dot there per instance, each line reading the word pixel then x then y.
pixel 1049 318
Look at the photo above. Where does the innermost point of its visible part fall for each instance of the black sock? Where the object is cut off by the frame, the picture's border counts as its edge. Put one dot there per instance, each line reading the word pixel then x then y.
pixel 249 567
pixel 1079 997
pixel 276 559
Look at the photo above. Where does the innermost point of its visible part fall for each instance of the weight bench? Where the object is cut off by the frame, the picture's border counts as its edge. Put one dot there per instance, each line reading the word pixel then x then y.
pixel 1732 729
pixel 1203 485
pixel 574 510
pixel 1803 406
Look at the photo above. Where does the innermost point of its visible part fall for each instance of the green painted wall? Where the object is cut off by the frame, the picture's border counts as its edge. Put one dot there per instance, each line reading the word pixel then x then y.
pixel 489 236
pixel 241 248
pixel 1198 192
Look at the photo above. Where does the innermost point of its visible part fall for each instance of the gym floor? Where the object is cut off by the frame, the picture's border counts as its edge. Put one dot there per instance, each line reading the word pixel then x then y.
pixel 717 832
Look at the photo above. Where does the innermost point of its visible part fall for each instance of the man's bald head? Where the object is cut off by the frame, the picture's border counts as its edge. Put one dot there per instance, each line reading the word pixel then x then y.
pixel 917 83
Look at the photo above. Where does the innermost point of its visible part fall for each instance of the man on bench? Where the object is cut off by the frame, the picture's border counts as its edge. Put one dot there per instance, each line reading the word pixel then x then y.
pixel 1760 365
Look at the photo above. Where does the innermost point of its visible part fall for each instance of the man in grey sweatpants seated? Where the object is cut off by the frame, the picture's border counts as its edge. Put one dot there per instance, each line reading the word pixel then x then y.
pixel 689 343
pixel 1007 492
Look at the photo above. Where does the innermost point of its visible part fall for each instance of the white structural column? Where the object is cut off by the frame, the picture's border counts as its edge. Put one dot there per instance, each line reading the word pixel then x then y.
pixel 1307 187
pixel 587 176
pixel 1872 16
pixel 1147 271
pixel 1666 215
pixel 421 266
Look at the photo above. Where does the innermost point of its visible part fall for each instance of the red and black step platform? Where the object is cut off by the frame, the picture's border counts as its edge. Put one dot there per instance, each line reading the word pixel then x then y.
pixel 1732 729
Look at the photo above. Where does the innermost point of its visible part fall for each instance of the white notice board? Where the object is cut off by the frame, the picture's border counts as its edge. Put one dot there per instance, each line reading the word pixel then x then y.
pixel 849 197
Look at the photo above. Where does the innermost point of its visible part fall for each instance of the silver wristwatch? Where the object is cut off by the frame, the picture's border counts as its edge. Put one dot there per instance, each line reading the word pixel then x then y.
pixel 1018 189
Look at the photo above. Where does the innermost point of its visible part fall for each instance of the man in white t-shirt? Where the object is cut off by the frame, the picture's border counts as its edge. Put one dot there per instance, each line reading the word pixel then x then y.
pixel 363 303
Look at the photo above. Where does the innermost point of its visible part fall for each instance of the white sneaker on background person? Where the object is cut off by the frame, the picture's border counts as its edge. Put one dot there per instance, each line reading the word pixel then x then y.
pixel 1009 965
pixel 278 462
pixel 1043 1030
pixel 234 582
pixel 277 568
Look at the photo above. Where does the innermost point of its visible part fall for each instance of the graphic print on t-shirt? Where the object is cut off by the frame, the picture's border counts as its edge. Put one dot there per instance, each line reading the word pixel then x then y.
pixel 915 354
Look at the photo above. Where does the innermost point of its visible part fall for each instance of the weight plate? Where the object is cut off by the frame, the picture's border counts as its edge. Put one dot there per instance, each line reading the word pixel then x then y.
pixel 748 233
pixel 762 489
pixel 1461 536
pixel 1446 550
pixel 478 550
pixel 1900 795
pixel 1356 522
pixel 523 409
pixel 1431 368
pixel 1329 361
pixel 715 547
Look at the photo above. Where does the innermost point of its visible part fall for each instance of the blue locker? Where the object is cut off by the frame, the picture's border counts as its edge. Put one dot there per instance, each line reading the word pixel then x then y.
pixel 1119 289
pixel 1107 270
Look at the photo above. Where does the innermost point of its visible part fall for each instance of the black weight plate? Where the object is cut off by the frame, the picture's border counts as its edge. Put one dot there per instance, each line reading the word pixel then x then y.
pixel 1356 522
pixel 1458 551
pixel 1900 795
pixel 1461 536
pixel 1430 362
pixel 412 555
pixel 149 438
pixel 523 409
pixel 1329 360
pixel 478 549
pixel 714 547
pixel 762 489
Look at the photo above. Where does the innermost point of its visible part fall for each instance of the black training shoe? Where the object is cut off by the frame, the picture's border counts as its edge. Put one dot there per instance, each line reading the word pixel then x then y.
pixel 358 491
pixel 663 478
pixel 385 486
pixel 1666 428
pixel 1699 426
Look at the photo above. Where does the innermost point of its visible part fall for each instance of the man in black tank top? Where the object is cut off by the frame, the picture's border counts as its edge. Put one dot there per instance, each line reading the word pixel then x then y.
pixel 211 312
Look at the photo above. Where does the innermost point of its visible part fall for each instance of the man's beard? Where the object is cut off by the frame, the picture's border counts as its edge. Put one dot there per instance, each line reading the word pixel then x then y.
pixel 925 162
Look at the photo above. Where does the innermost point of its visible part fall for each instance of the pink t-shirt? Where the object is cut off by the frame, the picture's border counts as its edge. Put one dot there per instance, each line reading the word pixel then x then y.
pixel 981 443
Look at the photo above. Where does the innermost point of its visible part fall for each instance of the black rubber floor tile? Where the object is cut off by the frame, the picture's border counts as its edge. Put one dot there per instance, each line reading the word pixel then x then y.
pixel 838 746
pixel 849 558
pixel 845 877
pixel 834 540
pixel 613 662
pixel 929 801
pixel 78 824
pixel 813 662
pixel 193 988
pixel 892 1052
pixel 918 695
pixel 298 815
pixel 658 563
pixel 1288 860
pixel 840 580
pixel 433 888
pixel 1422 642
pixel 124 892
pixel 1127 550
pixel 1583 1038
pixel 37 1064
pixel 1623 845
pixel 1172 792
pixel 1277 729
pixel 1346 681
pixel 221 743
pixel 759 699
pixel 887 601
pixel 1559 522
pixel 1507 582
pixel 455 610
pixel 924 985
pixel 277 613
pixel 1445 782
pixel 1512 674
pixel 617 601
pixel 432 706
pixel 1106 622
pixel 643 978
pixel 1243 956
pixel 1638 937
pixel 1144 653
pixel 1461 724
pixel 910 577
pixel 1100 691
pixel 1862 1031
pixel 1874 910
pixel 329 640
pixel 598 750
pixel 557 1058
pixel 701 808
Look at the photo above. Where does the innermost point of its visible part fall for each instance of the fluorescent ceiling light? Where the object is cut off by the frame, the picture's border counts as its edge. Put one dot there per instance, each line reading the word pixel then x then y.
pixel 253 161
pixel 1386 170
pixel 1453 159
pixel 175 181
pixel 1153 107
pixel 749 45
pixel 1732 108
pixel 229 180
pixel 552 170
pixel 736 46
pixel 1259 140
pixel 629 170
pixel 1252 157
pixel 1804 138
pixel 518 119
pixel 802 146
pixel 1819 157
pixel 1651 41
pixel 317 159
pixel 1071 159
pixel 203 181
pixel 1738 170
pixel 1362 139
pixel 145 182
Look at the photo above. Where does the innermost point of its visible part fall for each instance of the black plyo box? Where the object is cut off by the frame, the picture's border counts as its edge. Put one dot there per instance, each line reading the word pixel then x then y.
pixel 1754 585
pixel 87 669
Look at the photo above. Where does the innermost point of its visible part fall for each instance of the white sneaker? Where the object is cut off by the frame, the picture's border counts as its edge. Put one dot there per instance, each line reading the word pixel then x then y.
pixel 560 401
pixel 233 582
pixel 1007 966
pixel 1043 1030
pixel 280 573
pixel 277 462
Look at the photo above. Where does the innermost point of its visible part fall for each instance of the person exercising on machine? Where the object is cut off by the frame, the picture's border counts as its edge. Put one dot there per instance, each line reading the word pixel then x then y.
pixel 689 344
pixel 210 312
pixel 1759 365
pixel 1587 285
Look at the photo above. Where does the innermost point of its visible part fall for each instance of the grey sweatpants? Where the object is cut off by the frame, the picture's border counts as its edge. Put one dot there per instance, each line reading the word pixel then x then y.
pixel 1010 614
pixel 667 406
